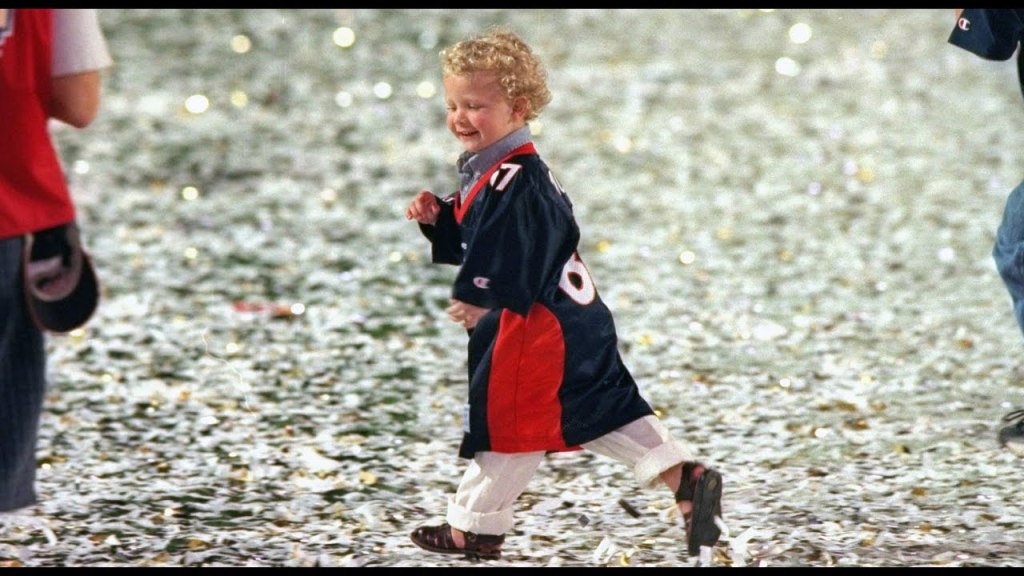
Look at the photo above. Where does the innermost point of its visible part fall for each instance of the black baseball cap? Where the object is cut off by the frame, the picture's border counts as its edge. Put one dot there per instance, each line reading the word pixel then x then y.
pixel 61 287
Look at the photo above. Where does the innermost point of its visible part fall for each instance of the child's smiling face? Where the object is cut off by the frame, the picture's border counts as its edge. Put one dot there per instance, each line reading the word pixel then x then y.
pixel 479 112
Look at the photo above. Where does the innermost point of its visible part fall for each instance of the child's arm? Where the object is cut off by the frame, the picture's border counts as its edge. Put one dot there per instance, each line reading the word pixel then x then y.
pixel 424 208
pixel 522 240
pixel 466 314
pixel 992 33
pixel 436 219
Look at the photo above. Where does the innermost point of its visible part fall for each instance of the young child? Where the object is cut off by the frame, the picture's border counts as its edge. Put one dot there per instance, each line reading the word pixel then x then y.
pixel 544 368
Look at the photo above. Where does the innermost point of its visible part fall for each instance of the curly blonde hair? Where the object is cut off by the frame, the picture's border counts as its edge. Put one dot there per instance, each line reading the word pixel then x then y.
pixel 501 51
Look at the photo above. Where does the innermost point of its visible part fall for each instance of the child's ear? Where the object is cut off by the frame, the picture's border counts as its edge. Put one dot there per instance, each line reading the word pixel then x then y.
pixel 520 107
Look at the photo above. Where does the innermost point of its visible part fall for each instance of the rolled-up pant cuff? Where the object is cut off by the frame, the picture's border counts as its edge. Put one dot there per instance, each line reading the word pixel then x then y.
pixel 493 523
pixel 659 459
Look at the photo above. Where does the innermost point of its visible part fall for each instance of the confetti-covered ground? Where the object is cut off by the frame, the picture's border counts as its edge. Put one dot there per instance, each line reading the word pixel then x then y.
pixel 790 213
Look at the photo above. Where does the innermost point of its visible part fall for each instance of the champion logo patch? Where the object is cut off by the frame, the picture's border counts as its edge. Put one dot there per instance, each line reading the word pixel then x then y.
pixel 481 282
pixel 963 24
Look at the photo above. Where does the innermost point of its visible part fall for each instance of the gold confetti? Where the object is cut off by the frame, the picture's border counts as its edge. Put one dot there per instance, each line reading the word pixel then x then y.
pixel 838 405
pixel 704 379
pixel 857 424
pixel 241 475
pixel 352 439
pixel 879 49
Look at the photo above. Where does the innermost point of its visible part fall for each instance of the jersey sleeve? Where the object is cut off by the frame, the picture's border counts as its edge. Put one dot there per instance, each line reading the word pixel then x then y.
pixel 524 237
pixel 992 33
pixel 444 235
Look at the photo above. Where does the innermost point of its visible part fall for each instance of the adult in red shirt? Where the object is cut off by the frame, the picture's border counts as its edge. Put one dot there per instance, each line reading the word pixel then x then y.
pixel 50 62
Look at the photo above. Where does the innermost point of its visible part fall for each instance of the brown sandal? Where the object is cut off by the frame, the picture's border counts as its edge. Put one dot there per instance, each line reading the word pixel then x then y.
pixel 439 539
pixel 703 487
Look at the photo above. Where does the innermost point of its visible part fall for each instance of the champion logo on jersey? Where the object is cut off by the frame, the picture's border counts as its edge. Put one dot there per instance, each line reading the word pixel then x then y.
pixel 963 24
pixel 481 282
pixel 6 23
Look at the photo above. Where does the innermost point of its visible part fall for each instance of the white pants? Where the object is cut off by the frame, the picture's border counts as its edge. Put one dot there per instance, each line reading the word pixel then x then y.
pixel 493 481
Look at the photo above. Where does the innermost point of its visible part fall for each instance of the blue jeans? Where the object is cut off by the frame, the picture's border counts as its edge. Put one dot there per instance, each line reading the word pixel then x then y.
pixel 1008 251
pixel 22 384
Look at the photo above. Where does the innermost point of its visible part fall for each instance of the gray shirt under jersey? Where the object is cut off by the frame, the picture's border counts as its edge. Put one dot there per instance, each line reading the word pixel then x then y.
pixel 472 165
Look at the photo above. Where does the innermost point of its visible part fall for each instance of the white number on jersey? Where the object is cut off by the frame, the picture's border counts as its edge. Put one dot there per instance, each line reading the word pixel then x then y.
pixel 503 175
pixel 576 281
pixel 555 181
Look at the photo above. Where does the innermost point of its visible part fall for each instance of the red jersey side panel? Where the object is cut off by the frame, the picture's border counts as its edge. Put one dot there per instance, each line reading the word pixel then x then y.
pixel 524 413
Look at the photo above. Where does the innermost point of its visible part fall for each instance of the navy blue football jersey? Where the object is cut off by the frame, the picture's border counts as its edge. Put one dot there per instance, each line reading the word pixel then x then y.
pixel 545 373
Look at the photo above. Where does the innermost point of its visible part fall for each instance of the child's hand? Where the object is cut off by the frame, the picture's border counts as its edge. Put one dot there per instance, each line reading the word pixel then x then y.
pixel 465 314
pixel 423 208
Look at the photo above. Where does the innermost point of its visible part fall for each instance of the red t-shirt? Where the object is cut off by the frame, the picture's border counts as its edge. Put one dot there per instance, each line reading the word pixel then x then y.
pixel 33 191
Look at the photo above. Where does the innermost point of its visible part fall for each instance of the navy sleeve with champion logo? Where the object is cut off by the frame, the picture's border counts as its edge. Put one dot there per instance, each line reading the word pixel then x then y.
pixel 522 238
pixel 444 235
pixel 992 33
